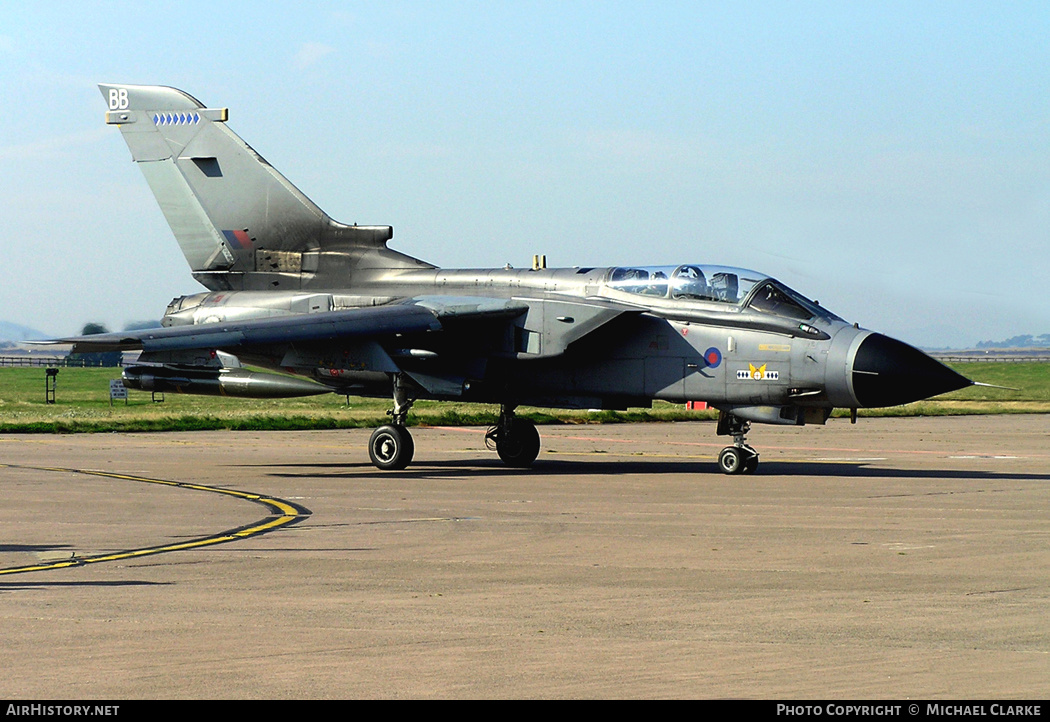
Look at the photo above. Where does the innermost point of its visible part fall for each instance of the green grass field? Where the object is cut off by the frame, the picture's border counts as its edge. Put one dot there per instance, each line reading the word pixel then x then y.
pixel 82 405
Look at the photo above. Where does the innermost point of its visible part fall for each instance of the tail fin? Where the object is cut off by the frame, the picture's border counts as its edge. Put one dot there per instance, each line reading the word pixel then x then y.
pixel 240 223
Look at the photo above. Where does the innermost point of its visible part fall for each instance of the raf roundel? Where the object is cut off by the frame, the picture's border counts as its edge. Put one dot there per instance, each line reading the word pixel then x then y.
pixel 712 357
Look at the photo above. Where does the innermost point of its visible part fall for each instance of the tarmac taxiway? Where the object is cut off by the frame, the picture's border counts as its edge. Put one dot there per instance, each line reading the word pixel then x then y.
pixel 895 558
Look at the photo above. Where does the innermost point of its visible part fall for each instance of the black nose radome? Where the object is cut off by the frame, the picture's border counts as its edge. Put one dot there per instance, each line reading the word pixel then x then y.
pixel 887 372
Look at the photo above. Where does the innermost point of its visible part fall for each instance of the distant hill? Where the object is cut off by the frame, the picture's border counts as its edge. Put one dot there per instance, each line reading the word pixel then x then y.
pixel 1026 341
pixel 14 332
pixel 139 325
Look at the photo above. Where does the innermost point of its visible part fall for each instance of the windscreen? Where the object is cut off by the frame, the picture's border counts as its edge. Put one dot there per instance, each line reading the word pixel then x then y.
pixel 775 298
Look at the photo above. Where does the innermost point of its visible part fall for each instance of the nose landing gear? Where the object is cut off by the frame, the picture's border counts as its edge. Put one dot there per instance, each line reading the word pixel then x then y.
pixel 740 458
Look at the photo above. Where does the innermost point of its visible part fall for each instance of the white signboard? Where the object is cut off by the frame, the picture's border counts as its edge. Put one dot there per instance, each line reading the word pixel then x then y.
pixel 117 390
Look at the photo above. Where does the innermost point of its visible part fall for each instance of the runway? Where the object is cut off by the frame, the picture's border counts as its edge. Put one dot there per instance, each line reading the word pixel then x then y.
pixel 895 558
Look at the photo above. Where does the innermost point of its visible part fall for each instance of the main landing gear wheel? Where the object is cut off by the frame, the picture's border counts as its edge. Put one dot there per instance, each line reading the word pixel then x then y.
pixel 391 447
pixel 517 442
pixel 738 460
pixel 519 445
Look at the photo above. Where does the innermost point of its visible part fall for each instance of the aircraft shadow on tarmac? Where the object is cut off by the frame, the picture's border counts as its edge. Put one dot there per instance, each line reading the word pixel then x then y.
pixel 19 586
pixel 867 470
pixel 33 548
pixel 495 468
pixel 556 467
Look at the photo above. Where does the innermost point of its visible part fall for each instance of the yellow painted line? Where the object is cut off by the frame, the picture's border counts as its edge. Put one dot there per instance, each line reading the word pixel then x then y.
pixel 283 514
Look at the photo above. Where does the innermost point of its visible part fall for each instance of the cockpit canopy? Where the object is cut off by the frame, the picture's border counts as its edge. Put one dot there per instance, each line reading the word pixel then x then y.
pixel 737 287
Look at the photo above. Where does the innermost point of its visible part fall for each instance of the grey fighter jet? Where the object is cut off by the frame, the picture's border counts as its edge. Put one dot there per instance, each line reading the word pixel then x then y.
pixel 332 308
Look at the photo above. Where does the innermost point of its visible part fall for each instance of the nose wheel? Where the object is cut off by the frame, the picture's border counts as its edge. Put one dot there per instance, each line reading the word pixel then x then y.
pixel 739 458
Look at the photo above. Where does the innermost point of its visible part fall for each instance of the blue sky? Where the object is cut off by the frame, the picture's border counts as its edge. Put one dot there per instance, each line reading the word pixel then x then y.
pixel 891 160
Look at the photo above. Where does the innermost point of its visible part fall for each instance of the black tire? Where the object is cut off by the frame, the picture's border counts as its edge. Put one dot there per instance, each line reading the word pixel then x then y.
pixel 519 445
pixel 731 460
pixel 391 448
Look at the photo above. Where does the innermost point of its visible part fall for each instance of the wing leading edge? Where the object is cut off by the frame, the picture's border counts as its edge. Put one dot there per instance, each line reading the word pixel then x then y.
pixel 328 326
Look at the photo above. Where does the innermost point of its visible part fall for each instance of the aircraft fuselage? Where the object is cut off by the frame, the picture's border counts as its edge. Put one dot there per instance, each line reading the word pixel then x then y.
pixel 642 343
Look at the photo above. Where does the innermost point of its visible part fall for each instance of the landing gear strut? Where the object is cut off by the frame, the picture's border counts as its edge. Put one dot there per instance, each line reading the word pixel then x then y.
pixel 391 446
pixel 517 441
pixel 739 458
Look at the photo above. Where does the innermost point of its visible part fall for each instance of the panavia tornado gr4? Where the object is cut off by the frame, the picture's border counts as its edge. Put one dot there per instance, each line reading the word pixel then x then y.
pixel 331 308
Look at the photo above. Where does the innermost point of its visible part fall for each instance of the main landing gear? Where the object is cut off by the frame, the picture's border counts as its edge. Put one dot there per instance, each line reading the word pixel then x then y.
pixel 391 447
pixel 739 458
pixel 516 440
